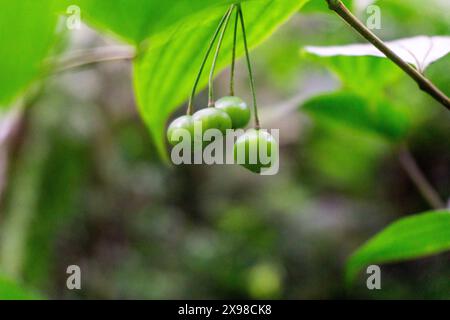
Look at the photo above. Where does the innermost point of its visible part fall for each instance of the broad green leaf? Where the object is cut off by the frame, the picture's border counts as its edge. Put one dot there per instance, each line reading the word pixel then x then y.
pixel 137 20
pixel 356 112
pixel 369 77
pixel 408 238
pixel 27 32
pixel 438 75
pixel 370 98
pixel 164 75
pixel 10 290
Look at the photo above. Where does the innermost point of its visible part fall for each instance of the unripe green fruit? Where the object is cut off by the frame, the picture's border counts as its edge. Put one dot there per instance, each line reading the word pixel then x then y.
pixel 213 118
pixel 236 108
pixel 251 141
pixel 177 126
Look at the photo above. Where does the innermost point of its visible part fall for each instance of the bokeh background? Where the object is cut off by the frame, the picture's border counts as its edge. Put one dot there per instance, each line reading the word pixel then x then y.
pixel 81 183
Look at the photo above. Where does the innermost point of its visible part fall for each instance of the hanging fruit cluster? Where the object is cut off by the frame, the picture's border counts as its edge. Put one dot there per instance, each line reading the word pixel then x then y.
pixel 229 112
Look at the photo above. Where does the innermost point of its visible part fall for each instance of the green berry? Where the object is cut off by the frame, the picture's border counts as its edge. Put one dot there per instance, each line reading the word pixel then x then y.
pixel 176 127
pixel 251 142
pixel 213 118
pixel 236 108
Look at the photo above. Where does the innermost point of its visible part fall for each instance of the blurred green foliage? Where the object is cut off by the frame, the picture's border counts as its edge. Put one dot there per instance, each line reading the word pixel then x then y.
pixel 86 186
pixel 9 290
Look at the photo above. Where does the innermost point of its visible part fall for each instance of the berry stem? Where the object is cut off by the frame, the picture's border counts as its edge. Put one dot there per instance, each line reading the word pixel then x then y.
pixel 233 55
pixel 197 80
pixel 249 65
pixel 216 55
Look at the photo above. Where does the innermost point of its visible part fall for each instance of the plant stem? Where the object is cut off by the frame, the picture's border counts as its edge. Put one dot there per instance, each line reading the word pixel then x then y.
pixel 249 65
pixel 233 55
pixel 424 84
pixel 412 169
pixel 216 55
pixel 197 80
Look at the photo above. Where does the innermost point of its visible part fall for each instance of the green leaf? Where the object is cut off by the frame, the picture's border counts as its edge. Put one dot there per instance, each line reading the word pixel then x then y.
pixel 10 290
pixel 379 82
pixel 165 74
pixel 408 238
pixel 137 20
pixel 370 77
pixel 353 111
pixel 27 32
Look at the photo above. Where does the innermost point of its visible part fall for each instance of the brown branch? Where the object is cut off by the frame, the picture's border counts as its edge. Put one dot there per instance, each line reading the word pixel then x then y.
pixel 412 169
pixel 424 84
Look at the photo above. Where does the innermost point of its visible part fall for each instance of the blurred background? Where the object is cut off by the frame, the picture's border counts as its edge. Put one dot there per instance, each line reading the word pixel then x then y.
pixel 81 182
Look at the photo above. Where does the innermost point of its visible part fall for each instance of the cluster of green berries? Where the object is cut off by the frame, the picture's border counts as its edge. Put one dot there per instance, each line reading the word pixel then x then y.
pixel 230 112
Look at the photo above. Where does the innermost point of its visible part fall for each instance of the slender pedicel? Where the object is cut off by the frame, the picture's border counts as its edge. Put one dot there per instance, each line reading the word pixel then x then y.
pixel 233 56
pixel 216 55
pixel 194 89
pixel 249 65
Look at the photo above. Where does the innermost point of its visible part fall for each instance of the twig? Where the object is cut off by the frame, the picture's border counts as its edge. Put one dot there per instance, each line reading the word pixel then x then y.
pixel 87 57
pixel 412 169
pixel 424 84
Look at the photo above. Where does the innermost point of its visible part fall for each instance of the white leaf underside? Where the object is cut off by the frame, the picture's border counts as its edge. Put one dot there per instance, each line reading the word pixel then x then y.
pixel 420 51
